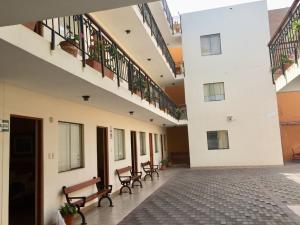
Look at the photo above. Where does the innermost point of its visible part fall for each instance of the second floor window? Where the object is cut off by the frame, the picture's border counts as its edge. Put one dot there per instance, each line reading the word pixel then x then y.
pixel 214 92
pixel 210 44
pixel 143 143
pixel 119 144
pixel 217 140
pixel 70 146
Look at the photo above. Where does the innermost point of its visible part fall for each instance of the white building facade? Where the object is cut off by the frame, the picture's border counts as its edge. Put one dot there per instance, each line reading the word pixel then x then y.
pixel 232 109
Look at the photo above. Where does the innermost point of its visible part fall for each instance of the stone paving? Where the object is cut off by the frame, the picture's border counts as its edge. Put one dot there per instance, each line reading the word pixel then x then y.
pixel 257 196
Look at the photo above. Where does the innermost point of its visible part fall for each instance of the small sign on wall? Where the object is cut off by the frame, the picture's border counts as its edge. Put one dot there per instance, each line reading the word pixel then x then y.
pixel 4 125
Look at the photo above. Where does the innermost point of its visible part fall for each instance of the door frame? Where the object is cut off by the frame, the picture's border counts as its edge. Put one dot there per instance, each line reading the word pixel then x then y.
pixel 39 170
pixel 151 148
pixel 134 156
pixel 106 154
pixel 162 146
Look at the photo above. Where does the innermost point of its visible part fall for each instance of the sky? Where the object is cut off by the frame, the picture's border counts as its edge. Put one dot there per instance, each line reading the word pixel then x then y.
pixel 184 6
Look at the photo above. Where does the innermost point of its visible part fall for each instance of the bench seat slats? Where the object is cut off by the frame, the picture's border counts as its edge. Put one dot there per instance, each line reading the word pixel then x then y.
pixel 82 185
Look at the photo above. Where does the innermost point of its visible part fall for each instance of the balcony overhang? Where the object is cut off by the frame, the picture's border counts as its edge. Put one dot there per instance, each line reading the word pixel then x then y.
pixel 290 81
pixel 17 12
pixel 173 39
pixel 29 63
pixel 139 43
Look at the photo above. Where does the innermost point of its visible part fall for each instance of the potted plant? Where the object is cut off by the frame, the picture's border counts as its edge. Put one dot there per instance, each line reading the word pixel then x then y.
pixel 94 59
pixel 68 211
pixel 286 61
pixel 163 164
pixel 178 113
pixel 296 27
pixel 71 42
pixel 138 86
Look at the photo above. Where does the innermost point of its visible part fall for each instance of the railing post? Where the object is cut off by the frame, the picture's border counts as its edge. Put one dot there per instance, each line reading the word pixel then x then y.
pixel 130 76
pixel 52 44
pixel 296 56
pixel 102 49
pixel 82 39
pixel 143 12
pixel 140 82
pixel 149 93
pixel 117 65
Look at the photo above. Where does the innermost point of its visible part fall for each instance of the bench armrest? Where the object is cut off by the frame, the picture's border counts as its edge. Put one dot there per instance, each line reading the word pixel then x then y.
pixel 155 166
pixel 122 178
pixel 101 187
pixel 136 173
pixel 73 198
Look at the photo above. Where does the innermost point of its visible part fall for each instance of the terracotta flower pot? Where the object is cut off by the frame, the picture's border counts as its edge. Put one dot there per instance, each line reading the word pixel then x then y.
pixel 94 64
pixel 163 167
pixel 97 66
pixel 70 46
pixel 137 92
pixel 68 219
pixel 30 25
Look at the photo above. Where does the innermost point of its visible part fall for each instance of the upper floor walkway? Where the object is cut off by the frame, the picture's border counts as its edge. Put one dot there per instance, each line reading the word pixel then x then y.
pixel 88 62
pixel 284 51
pixel 16 12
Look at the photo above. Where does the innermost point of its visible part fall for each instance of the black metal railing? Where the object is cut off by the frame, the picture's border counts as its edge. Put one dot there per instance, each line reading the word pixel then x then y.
pixel 284 45
pixel 174 22
pixel 168 13
pixel 95 47
pixel 150 21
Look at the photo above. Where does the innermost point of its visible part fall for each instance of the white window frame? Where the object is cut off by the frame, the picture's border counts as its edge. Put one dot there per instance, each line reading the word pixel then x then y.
pixel 143 149
pixel 210 97
pixel 222 139
pixel 209 40
pixel 69 149
pixel 119 144
pixel 156 150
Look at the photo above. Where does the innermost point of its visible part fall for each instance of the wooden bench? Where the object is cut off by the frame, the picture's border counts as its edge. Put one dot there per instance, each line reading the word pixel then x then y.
pixel 130 177
pixel 296 155
pixel 150 169
pixel 79 202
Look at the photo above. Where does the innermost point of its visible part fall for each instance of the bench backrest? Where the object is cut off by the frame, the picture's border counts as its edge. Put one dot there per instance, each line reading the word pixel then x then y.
pixel 123 170
pixel 146 164
pixel 77 187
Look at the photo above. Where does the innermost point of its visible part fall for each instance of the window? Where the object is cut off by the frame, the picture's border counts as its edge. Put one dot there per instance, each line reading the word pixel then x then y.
pixel 211 44
pixel 143 143
pixel 217 140
pixel 70 146
pixel 156 143
pixel 119 144
pixel 214 92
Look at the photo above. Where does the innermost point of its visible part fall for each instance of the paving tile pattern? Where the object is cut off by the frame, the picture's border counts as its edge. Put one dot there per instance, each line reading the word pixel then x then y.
pixel 222 197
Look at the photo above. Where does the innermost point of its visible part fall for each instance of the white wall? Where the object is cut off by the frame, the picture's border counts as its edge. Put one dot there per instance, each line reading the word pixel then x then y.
pixel 254 136
pixel 18 101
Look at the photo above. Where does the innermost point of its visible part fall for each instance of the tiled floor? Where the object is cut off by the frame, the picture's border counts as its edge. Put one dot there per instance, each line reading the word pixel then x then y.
pixel 124 204
pixel 260 196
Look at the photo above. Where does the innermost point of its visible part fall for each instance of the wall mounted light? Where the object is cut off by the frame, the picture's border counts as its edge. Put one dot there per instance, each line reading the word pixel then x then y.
pixel 86 98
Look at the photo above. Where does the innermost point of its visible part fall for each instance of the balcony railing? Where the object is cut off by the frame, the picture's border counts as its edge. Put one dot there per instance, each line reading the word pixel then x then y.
pixel 82 37
pixel 284 45
pixel 180 68
pixel 175 22
pixel 150 21
pixel 168 13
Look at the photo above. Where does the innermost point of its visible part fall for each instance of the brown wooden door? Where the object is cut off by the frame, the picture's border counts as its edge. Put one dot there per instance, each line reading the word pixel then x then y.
pixel 151 147
pixel 26 170
pixel 102 155
pixel 134 162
